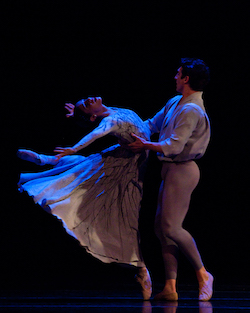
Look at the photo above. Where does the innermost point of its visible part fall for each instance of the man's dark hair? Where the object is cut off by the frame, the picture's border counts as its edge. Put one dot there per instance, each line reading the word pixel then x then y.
pixel 197 71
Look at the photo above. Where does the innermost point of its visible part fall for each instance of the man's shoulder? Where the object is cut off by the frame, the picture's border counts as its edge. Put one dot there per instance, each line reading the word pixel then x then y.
pixel 175 98
pixel 191 109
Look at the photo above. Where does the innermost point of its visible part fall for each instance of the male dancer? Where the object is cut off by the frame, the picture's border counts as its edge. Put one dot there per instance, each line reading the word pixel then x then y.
pixel 184 135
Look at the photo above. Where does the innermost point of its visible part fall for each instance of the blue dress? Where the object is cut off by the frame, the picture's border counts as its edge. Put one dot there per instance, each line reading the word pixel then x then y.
pixel 98 197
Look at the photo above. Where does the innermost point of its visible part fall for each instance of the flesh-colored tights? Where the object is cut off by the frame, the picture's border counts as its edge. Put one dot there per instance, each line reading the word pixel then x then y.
pixel 178 182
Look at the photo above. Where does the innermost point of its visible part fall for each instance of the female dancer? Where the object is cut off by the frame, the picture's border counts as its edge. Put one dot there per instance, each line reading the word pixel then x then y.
pixel 97 197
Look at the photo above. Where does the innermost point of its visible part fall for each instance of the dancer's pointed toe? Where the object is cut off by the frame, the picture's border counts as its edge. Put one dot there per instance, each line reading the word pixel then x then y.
pixel 39 159
pixel 29 155
pixel 206 289
pixel 146 284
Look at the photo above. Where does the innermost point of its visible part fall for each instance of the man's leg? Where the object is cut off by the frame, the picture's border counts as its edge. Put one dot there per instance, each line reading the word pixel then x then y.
pixel 179 181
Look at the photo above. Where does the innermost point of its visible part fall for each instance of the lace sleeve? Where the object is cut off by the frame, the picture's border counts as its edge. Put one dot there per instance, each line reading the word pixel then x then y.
pixel 106 126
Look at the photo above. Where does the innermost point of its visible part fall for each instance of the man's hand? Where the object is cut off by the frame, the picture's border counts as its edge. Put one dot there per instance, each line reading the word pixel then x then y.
pixel 141 144
pixel 70 108
pixel 138 145
pixel 63 151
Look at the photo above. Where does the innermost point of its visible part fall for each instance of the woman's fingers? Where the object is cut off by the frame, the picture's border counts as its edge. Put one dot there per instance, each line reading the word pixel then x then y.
pixel 59 149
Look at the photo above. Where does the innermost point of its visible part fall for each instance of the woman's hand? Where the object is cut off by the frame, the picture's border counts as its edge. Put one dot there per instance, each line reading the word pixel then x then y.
pixel 63 151
pixel 70 108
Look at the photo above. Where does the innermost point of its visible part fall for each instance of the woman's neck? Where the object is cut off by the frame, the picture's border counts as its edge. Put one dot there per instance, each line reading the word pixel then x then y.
pixel 106 111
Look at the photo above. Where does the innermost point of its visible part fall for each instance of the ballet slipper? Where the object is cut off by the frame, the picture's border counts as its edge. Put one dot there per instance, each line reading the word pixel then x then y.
pixel 39 159
pixel 29 155
pixel 206 289
pixel 162 296
pixel 145 281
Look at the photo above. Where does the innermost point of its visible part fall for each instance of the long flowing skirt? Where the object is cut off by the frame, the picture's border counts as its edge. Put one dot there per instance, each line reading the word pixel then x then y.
pixel 97 198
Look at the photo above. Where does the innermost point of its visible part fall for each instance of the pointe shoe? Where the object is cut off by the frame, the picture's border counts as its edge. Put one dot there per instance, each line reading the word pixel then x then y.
pixel 29 155
pixel 166 296
pixel 206 289
pixel 146 284
pixel 39 159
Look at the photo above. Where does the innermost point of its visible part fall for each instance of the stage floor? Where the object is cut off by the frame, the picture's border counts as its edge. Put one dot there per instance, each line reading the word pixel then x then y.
pixel 119 301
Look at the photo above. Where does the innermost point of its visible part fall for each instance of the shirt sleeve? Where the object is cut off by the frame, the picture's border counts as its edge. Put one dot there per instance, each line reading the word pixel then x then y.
pixel 184 126
pixel 106 126
pixel 154 124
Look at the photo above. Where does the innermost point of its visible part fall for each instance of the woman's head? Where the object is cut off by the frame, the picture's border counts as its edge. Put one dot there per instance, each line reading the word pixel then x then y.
pixel 88 111
pixel 92 106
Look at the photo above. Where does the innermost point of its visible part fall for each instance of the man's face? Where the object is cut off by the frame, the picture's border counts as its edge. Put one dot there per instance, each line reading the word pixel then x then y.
pixel 180 82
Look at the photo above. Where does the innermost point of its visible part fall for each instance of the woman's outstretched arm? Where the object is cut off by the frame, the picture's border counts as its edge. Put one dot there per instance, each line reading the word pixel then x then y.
pixel 106 126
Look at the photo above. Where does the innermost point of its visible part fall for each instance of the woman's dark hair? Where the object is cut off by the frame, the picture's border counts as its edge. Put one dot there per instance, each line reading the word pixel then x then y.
pixel 83 119
pixel 197 71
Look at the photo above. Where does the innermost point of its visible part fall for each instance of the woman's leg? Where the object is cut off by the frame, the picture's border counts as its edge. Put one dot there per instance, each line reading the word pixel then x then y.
pixel 144 279
pixel 39 159
pixel 63 163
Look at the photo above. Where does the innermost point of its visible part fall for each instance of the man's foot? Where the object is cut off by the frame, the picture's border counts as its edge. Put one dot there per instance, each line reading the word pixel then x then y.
pixel 206 289
pixel 144 279
pixel 163 296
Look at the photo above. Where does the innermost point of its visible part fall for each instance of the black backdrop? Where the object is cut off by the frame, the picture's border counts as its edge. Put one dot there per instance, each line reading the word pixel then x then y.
pixel 127 52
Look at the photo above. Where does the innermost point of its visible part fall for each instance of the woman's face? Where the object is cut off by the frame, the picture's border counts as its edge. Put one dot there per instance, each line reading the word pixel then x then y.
pixel 91 105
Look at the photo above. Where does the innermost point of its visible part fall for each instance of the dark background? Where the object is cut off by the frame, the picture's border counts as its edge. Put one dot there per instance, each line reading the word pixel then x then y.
pixel 128 53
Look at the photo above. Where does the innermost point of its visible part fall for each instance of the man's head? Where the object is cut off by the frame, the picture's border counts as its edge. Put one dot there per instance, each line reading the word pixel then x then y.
pixel 193 73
